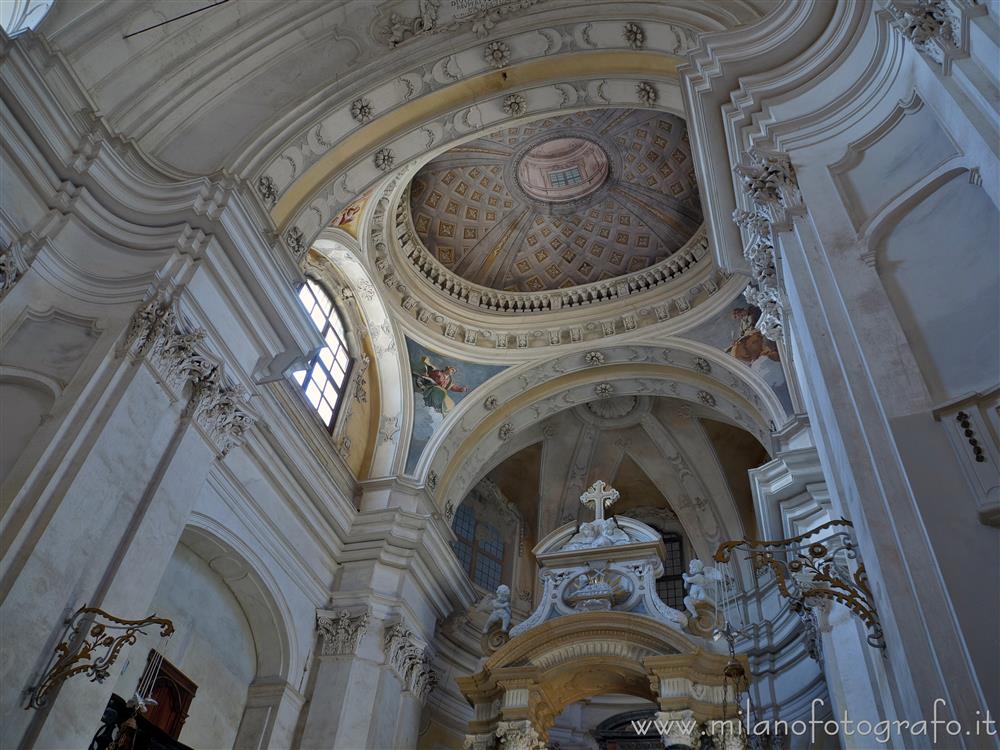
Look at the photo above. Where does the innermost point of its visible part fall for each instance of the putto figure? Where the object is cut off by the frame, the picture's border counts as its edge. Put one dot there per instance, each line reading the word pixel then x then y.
pixel 501 610
pixel 434 384
pixel 700 582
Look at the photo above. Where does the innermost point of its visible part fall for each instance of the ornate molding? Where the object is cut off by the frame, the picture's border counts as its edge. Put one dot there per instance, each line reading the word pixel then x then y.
pixel 769 184
pixel 340 632
pixel 673 38
pixel 400 29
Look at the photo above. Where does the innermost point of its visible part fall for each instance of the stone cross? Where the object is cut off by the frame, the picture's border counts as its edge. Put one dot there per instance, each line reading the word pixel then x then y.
pixel 602 496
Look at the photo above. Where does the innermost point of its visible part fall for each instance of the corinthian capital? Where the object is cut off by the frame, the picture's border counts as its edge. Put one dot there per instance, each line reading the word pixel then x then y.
pixel 341 632
pixel 410 660
pixel 222 411
pixel 768 180
pixel 519 735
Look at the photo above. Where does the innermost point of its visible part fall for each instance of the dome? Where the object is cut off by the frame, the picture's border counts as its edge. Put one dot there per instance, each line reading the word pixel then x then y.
pixel 562 169
pixel 560 202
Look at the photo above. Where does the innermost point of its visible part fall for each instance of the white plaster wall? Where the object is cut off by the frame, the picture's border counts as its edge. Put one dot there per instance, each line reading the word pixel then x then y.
pixel 212 645
pixel 941 268
pixel 22 408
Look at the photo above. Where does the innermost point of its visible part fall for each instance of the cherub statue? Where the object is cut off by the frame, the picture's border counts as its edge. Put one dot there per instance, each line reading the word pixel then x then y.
pixel 501 610
pixel 602 532
pixel 700 582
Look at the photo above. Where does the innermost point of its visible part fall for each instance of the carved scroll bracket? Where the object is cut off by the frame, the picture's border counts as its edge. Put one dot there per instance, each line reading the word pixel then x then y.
pixel 91 644
pixel 820 565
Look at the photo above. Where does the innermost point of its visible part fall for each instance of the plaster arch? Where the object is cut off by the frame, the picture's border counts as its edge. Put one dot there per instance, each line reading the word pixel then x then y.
pixel 265 609
pixel 523 395
pixel 896 210
pixel 461 111
pixel 244 51
pixel 389 363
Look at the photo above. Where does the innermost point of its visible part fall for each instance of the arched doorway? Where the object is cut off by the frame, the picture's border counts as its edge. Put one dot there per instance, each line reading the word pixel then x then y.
pixel 525 684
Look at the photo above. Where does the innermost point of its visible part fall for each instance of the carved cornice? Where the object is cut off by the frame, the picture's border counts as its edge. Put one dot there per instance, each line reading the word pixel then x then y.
pixel 340 631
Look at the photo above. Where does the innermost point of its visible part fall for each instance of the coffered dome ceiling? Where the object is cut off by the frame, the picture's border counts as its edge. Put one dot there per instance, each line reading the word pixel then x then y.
pixel 561 201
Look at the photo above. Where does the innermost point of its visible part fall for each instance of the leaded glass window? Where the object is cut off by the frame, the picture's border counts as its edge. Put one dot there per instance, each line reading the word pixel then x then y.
pixel 479 547
pixel 325 379
pixel 670 586
pixel 565 177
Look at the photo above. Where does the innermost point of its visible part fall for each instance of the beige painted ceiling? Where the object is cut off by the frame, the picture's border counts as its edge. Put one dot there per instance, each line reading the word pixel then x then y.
pixel 470 212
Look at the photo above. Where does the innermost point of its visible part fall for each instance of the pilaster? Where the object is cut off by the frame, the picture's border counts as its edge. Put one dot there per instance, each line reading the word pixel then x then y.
pixel 125 509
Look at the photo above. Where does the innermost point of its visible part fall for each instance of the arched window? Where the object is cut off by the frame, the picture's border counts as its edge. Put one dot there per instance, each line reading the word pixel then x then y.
pixel 326 376
pixel 487 527
pixel 479 547
pixel 670 586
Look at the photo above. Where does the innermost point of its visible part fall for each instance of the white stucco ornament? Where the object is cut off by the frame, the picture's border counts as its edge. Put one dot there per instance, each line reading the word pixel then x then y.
pixel 601 532
pixel 501 610
pixel 608 564
pixel 702 583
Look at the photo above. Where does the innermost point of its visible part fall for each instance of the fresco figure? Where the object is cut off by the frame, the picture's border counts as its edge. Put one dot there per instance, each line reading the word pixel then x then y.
pixel 434 384
pixel 750 344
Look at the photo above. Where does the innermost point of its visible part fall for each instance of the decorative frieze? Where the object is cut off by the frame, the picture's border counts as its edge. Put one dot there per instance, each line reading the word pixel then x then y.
pixel 403 28
pixel 340 632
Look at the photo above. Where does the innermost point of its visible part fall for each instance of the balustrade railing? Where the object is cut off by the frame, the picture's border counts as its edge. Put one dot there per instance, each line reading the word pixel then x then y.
pixel 495 300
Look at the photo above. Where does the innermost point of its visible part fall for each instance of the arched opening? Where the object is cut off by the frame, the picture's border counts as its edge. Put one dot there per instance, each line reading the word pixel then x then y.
pixel 214 651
